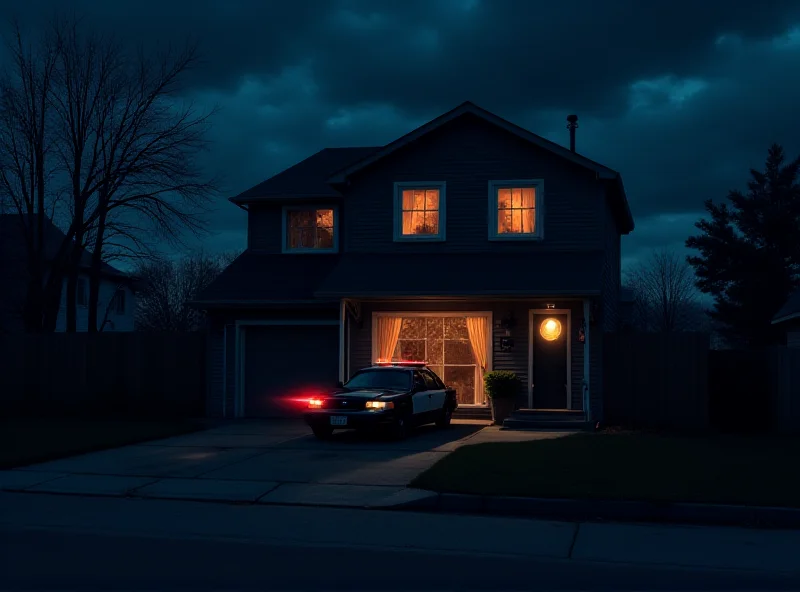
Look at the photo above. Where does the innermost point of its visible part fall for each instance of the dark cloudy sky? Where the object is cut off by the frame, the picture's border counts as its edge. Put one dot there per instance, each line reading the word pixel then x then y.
pixel 682 96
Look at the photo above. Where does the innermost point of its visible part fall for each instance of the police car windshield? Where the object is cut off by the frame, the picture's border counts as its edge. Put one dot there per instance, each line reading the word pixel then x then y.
pixel 399 380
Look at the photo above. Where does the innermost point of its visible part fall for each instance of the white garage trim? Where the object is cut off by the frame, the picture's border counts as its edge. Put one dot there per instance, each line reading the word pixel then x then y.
pixel 240 345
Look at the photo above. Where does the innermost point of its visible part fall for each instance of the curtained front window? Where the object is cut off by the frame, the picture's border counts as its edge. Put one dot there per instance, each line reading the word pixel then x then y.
pixel 455 348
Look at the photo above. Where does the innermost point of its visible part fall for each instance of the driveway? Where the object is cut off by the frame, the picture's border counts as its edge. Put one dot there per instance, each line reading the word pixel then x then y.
pixel 264 461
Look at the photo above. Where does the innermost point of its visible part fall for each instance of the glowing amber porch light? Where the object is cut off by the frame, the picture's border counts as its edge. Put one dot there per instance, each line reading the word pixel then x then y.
pixel 550 329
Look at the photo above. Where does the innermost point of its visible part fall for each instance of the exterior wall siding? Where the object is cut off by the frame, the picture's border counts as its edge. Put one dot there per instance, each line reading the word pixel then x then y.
pixel 116 321
pixel 793 338
pixel 515 360
pixel 467 154
pixel 215 363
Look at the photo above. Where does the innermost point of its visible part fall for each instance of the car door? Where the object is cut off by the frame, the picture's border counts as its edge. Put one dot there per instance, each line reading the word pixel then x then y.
pixel 436 395
pixel 420 401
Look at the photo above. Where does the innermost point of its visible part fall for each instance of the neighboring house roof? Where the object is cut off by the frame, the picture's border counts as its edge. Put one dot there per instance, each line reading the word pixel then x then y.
pixel 12 235
pixel 308 178
pixel 371 275
pixel 790 310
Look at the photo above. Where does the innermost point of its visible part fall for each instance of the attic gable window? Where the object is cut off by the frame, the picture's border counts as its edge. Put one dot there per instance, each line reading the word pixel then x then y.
pixel 310 230
pixel 419 211
pixel 515 209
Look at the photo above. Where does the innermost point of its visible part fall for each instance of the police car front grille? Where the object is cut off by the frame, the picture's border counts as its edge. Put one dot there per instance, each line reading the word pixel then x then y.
pixel 345 404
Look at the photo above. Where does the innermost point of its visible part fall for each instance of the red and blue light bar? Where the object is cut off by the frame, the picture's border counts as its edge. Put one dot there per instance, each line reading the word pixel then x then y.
pixel 405 363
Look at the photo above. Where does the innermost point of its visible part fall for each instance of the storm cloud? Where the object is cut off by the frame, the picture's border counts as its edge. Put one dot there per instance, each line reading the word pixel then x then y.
pixel 681 97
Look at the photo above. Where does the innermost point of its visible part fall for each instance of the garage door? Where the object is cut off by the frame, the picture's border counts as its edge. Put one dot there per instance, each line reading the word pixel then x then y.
pixel 286 364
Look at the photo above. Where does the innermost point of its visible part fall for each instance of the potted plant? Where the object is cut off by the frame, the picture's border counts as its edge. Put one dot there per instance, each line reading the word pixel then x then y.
pixel 501 387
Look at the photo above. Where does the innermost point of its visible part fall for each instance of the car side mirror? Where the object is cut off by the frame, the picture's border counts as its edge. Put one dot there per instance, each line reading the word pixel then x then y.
pixel 339 384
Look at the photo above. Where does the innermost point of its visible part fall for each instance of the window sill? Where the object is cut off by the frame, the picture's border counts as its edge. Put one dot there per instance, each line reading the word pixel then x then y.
pixel 419 239
pixel 515 237
pixel 309 251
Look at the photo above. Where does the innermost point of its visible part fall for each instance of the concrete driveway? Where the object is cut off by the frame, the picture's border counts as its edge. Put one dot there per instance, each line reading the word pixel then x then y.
pixel 259 461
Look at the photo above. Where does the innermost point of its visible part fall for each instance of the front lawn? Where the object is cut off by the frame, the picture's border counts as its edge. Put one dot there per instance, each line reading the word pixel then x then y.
pixel 26 441
pixel 627 466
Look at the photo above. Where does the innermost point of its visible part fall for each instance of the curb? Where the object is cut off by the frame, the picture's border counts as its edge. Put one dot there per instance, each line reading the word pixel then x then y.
pixel 609 510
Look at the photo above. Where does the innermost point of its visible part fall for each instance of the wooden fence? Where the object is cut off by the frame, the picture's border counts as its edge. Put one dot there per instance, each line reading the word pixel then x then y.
pixel 783 365
pixel 656 380
pixel 132 374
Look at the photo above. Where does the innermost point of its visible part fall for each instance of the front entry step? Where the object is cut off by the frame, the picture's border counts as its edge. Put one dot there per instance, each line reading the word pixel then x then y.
pixel 482 413
pixel 547 419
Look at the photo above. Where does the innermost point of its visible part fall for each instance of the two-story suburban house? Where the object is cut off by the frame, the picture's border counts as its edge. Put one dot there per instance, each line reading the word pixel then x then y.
pixel 469 243
pixel 117 293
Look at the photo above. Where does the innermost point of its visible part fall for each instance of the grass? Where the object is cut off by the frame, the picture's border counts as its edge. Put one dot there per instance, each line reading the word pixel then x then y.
pixel 25 441
pixel 627 466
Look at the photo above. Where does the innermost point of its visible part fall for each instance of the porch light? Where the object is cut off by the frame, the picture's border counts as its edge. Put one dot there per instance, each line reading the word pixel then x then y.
pixel 550 329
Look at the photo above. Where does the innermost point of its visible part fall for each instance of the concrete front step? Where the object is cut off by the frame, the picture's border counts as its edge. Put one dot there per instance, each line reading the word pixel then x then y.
pixel 472 413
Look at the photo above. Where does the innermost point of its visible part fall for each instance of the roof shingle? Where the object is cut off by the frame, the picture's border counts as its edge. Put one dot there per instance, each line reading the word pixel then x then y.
pixel 308 178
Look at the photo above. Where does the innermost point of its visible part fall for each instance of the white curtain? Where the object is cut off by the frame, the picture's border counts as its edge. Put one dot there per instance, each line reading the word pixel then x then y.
pixel 478 329
pixel 387 334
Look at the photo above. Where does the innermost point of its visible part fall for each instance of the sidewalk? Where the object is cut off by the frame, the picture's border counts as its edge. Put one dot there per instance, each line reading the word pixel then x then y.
pixel 768 552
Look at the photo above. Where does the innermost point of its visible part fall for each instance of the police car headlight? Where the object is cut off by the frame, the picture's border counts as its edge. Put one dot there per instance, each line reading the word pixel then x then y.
pixel 380 405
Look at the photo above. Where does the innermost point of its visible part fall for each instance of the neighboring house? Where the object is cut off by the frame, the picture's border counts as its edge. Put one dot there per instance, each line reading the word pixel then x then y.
pixel 117 289
pixel 469 243
pixel 788 319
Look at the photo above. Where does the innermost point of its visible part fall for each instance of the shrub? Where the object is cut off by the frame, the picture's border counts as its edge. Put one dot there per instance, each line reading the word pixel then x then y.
pixel 501 384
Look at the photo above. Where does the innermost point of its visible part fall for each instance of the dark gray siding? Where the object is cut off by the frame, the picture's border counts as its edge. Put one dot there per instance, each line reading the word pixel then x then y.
pixel 264 227
pixel 215 364
pixel 467 154
pixel 515 360
pixel 612 278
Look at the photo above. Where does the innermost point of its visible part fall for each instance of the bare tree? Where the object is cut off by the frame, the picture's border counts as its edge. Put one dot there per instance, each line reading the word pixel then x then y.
pixel 665 297
pixel 168 286
pixel 130 148
pixel 26 169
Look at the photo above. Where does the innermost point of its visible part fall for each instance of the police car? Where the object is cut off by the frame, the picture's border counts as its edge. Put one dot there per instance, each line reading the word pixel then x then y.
pixel 392 396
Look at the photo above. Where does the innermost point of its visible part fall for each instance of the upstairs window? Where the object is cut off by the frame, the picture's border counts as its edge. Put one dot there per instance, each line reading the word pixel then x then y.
pixel 309 230
pixel 119 302
pixel 515 210
pixel 419 212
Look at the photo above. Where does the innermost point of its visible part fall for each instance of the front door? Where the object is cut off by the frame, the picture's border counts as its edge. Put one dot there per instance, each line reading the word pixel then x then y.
pixel 549 382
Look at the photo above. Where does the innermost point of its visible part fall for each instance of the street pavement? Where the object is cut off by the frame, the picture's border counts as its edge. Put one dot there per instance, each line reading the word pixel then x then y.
pixel 62 542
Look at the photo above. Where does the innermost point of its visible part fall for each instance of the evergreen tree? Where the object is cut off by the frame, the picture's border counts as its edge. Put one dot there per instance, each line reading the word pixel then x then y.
pixel 749 252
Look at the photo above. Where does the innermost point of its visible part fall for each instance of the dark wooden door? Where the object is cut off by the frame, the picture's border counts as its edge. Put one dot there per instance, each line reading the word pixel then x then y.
pixel 550 361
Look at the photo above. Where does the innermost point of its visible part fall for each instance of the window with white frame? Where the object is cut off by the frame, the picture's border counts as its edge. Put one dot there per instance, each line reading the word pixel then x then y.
pixel 310 229
pixel 419 211
pixel 515 209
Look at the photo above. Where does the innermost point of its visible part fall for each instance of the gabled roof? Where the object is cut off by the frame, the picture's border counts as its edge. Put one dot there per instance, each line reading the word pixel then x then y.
pixel 308 178
pixel 619 200
pixel 12 236
pixel 790 310
pixel 469 107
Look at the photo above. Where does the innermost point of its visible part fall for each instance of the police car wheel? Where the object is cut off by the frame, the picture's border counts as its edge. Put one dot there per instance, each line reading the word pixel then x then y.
pixel 322 432
pixel 445 418
pixel 399 429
